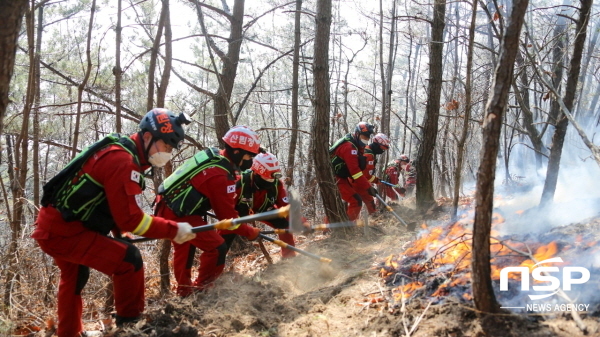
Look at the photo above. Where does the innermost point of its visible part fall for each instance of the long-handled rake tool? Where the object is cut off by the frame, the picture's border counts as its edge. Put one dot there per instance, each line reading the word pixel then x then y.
pixel 320 227
pixel 298 250
pixel 295 221
pixel 387 183
pixel 228 223
pixel 391 210
pixel 292 210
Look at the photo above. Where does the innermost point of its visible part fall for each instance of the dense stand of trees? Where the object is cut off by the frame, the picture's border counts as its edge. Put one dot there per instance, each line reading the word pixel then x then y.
pixel 301 73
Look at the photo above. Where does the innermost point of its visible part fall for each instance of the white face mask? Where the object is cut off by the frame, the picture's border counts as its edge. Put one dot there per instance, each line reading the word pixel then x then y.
pixel 159 159
pixel 365 141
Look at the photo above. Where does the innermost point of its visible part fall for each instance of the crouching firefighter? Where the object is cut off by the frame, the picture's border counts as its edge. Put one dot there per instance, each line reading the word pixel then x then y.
pixel 260 189
pixel 206 181
pixel 98 192
pixel 348 164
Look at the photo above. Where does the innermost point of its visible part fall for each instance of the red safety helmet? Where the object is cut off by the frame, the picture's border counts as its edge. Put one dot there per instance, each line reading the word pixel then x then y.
pixel 242 137
pixel 403 158
pixel 266 166
pixel 382 140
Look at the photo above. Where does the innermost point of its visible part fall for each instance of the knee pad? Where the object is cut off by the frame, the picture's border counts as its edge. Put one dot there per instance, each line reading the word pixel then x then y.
pixel 83 274
pixel 190 258
pixel 358 199
pixel 222 249
pixel 133 256
pixel 229 239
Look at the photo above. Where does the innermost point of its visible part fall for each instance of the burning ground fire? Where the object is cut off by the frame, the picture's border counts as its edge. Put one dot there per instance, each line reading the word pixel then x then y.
pixel 437 266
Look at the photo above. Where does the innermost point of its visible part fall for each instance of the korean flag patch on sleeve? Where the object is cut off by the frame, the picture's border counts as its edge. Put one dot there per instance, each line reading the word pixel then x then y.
pixel 231 189
pixel 354 152
pixel 135 176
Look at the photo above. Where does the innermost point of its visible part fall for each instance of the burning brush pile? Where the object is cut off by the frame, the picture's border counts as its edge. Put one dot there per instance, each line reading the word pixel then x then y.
pixel 553 271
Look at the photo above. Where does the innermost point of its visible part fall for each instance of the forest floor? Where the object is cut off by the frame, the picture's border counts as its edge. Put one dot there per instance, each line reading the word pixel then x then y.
pixel 348 297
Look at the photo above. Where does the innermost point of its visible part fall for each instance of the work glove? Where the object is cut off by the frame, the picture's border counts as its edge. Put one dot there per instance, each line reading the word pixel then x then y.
pixel 254 235
pixel 372 191
pixel 184 233
pixel 234 227
pixel 402 191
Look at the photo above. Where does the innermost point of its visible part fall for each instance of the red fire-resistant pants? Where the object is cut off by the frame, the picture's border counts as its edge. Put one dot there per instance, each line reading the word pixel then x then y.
pixel 354 198
pixel 289 239
pixel 91 249
pixel 212 258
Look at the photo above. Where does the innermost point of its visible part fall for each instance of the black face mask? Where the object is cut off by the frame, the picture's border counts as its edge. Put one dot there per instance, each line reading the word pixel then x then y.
pixel 261 183
pixel 246 164
pixel 376 148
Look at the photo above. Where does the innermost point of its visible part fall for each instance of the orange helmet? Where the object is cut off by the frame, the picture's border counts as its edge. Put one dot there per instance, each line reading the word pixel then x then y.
pixel 266 166
pixel 242 137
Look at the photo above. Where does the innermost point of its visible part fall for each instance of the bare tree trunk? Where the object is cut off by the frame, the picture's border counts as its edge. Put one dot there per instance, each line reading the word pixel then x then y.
pixel 562 123
pixel 320 126
pixel 19 178
pixel 229 71
pixel 522 97
pixel 117 71
pixel 165 245
pixel 584 78
pixel 154 60
pixel 295 70
pixel 387 111
pixel 166 74
pixel 36 112
pixel 11 14
pixel 460 147
pixel 483 293
pixel 82 85
pixel 424 194
pixel 381 67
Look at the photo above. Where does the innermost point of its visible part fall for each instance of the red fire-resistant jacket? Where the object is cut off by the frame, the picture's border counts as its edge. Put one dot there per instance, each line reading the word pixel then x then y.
pixel 114 168
pixel 410 175
pixel 349 154
pixel 369 171
pixel 222 199
pixel 261 203
pixel 392 174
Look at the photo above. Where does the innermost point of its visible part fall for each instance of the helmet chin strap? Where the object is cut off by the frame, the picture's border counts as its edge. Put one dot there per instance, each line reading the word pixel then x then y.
pixel 147 155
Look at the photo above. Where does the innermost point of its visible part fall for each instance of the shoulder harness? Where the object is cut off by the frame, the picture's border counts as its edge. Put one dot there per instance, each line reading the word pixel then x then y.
pixel 177 190
pixel 78 196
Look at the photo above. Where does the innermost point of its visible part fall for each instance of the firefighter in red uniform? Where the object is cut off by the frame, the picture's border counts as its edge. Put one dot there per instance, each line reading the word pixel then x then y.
pixel 392 176
pixel 259 190
pixel 348 165
pixel 379 144
pixel 207 181
pixel 409 172
pixel 98 192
